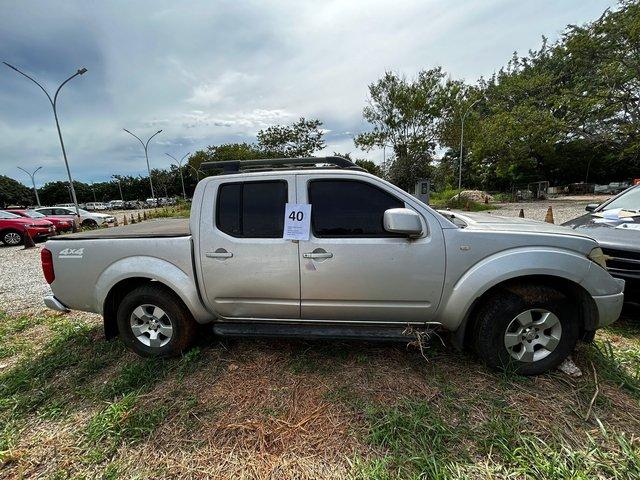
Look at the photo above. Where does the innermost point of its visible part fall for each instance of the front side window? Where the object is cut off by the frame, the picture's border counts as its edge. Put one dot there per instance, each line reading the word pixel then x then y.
pixel 349 208
pixel 252 209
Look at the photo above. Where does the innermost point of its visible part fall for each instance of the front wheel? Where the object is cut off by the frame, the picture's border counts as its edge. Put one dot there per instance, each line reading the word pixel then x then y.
pixel 12 238
pixel 153 322
pixel 528 328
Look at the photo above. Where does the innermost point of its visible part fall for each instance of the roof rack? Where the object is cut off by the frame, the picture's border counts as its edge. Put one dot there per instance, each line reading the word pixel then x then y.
pixel 267 164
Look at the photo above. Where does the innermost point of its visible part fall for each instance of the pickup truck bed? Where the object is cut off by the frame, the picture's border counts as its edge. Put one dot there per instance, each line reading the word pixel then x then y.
pixel 160 228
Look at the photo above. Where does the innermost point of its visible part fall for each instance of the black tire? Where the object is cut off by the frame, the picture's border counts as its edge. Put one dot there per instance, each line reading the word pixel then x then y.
pixel 90 224
pixel 183 326
pixel 496 317
pixel 12 238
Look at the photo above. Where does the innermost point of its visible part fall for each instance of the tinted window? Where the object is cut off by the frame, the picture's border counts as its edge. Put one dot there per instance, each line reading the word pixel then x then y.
pixel 252 209
pixel 347 208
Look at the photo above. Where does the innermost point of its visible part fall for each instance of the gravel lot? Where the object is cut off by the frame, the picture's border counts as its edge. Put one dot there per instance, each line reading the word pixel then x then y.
pixel 22 285
pixel 564 208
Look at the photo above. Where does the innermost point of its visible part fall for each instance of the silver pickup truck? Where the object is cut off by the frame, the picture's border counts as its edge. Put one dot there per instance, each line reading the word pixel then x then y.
pixel 377 260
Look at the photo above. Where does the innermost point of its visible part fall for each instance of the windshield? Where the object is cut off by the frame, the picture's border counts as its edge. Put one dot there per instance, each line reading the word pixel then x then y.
pixel 83 211
pixel 629 201
pixel 7 215
pixel 34 214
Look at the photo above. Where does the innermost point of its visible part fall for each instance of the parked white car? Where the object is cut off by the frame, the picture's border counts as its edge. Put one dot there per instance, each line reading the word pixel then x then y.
pixel 87 219
pixel 93 206
pixel 115 205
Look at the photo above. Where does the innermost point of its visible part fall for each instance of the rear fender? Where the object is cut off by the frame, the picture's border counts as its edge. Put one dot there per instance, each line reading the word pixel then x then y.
pixel 154 269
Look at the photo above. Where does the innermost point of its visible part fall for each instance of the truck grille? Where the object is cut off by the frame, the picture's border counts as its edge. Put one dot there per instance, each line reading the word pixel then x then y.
pixel 623 263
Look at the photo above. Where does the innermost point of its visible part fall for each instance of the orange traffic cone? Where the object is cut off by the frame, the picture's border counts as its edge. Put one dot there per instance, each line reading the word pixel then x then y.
pixel 124 221
pixel 549 216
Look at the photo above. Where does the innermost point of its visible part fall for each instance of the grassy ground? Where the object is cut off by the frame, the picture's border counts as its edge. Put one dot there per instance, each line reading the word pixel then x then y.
pixel 73 405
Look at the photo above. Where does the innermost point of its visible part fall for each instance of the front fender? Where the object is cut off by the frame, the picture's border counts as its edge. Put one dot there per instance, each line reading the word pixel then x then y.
pixel 521 262
pixel 155 269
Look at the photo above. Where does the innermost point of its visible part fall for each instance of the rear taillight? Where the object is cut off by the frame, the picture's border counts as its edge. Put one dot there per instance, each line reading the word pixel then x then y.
pixel 47 265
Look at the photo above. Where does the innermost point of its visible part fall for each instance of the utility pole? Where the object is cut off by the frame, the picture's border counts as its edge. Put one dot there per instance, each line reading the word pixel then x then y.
pixel 461 147
pixel 119 187
pixel 53 102
pixel 32 175
pixel 179 162
pixel 146 155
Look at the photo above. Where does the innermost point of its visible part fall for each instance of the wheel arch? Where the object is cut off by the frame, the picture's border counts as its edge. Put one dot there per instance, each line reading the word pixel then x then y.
pixel 587 310
pixel 118 292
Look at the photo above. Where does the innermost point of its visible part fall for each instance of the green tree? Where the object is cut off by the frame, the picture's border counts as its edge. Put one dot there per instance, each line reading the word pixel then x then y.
pixel 406 115
pixel 300 139
pixel 13 192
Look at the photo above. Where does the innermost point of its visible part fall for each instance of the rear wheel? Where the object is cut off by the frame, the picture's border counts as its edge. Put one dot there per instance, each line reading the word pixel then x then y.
pixel 153 322
pixel 529 329
pixel 12 237
pixel 90 224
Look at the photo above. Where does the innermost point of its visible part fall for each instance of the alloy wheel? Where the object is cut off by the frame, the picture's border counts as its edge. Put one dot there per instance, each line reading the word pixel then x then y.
pixel 151 325
pixel 533 335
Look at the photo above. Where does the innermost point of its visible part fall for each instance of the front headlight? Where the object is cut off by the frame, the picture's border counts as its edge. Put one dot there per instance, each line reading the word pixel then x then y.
pixel 597 255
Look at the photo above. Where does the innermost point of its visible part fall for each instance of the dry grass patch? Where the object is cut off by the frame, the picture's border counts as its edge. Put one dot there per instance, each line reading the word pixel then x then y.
pixel 83 407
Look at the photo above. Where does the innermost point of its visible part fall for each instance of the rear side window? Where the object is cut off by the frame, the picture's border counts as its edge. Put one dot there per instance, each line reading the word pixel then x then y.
pixel 252 209
pixel 349 208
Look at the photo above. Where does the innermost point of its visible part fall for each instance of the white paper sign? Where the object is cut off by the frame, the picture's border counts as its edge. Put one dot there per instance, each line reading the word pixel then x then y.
pixel 297 221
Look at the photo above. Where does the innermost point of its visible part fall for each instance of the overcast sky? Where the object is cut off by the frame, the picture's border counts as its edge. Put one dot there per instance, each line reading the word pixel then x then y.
pixel 218 71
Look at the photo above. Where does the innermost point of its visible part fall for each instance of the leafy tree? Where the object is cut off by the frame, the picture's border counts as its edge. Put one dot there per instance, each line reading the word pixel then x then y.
pixel 13 192
pixel 300 139
pixel 370 167
pixel 406 116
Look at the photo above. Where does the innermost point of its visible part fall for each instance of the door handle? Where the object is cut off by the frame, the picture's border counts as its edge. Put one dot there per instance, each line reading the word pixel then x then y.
pixel 219 253
pixel 317 255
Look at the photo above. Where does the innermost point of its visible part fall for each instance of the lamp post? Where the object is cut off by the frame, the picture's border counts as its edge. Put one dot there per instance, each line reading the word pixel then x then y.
pixel 146 155
pixel 53 102
pixel 461 146
pixel 119 187
pixel 32 175
pixel 184 195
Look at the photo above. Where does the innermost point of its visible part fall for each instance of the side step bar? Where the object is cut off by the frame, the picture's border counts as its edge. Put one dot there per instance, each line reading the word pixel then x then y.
pixel 350 332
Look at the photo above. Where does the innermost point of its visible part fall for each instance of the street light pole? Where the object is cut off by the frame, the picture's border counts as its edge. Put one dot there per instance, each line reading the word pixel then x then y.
pixel 146 155
pixel 184 195
pixel 32 175
pixel 461 147
pixel 119 187
pixel 53 102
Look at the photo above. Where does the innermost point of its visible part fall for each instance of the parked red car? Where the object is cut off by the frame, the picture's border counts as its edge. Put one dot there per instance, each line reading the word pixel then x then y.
pixel 61 224
pixel 13 228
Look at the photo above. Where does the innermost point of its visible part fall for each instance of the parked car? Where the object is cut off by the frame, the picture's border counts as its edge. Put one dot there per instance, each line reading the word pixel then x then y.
pixel 619 237
pixel 87 219
pixel 134 204
pixel 61 224
pixel 116 205
pixel 375 261
pixel 94 206
pixel 13 228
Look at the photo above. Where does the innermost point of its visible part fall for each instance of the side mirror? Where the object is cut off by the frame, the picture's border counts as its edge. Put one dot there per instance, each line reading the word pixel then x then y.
pixel 402 220
pixel 591 207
